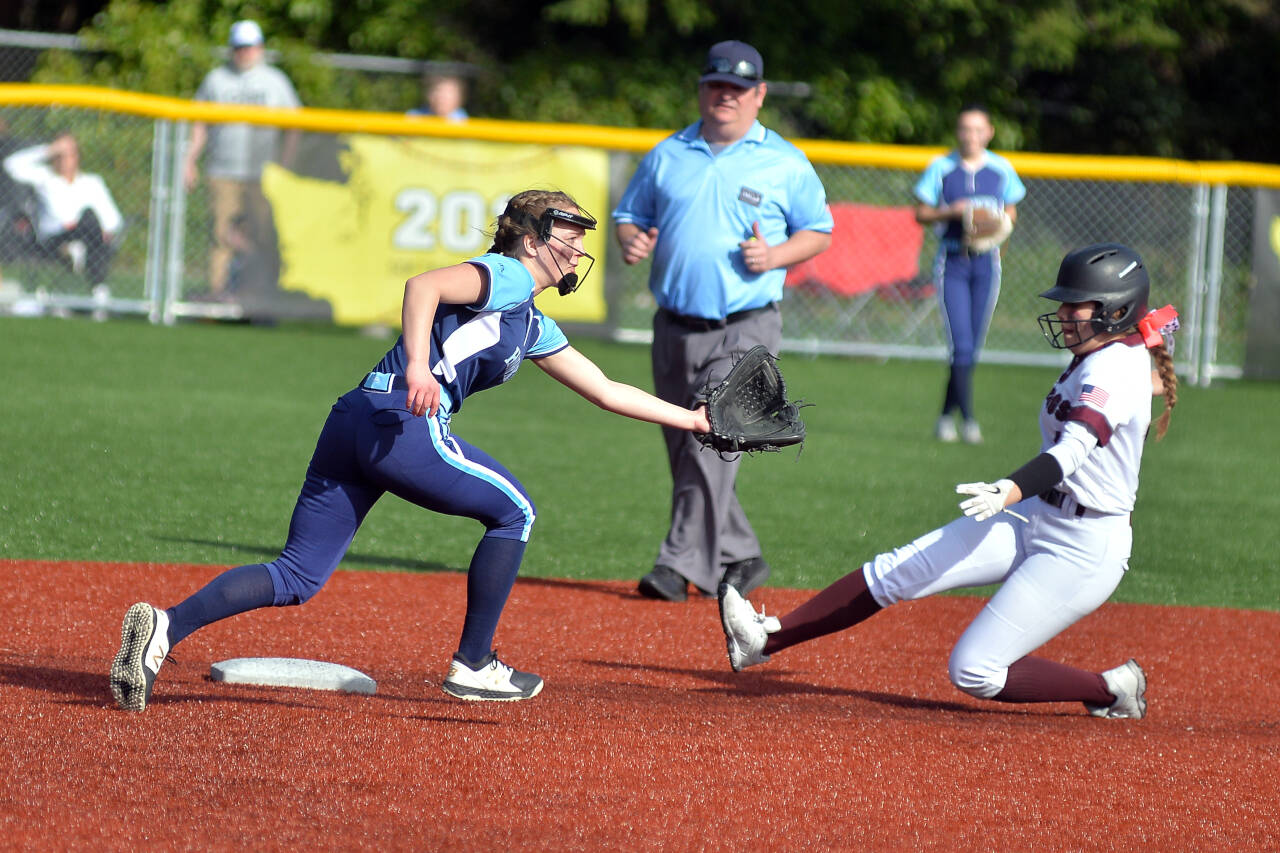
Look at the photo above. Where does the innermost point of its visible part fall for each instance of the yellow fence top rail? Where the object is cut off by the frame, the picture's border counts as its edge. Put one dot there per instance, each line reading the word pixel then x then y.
pixel 906 157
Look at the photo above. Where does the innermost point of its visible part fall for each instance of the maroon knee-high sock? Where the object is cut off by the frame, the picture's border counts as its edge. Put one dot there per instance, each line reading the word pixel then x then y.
pixel 843 604
pixel 1034 679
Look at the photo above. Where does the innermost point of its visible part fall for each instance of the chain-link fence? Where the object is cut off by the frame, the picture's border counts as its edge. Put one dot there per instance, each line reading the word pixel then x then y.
pixel 872 293
pixel 101 261
pixel 1196 241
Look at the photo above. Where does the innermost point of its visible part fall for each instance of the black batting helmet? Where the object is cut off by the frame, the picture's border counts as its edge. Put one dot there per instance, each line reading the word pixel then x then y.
pixel 1110 274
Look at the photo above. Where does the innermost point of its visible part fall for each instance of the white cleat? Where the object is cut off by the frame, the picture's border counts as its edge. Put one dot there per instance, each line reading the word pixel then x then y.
pixel 491 681
pixel 945 431
pixel 1128 683
pixel 745 631
pixel 144 644
pixel 971 433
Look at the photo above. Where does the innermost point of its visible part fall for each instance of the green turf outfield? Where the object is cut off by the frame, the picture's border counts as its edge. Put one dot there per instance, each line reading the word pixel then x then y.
pixel 125 441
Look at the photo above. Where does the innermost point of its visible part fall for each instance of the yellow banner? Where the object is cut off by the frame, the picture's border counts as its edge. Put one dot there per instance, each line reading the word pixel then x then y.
pixel 413 204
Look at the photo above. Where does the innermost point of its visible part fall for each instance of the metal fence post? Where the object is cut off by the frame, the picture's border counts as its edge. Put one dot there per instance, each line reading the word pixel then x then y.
pixel 1213 282
pixel 153 290
pixel 1195 278
pixel 177 225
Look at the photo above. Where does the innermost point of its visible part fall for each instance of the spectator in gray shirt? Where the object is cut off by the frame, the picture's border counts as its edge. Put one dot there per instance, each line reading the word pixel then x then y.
pixel 242 223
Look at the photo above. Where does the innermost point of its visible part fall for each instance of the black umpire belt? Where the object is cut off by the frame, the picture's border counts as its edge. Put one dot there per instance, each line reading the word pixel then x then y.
pixel 704 324
pixel 1055 498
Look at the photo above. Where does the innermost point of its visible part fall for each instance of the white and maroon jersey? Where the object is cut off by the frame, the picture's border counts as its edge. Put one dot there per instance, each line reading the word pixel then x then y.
pixel 1108 391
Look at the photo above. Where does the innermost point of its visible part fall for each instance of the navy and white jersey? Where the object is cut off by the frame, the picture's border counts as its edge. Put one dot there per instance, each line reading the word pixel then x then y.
pixel 479 346
pixel 994 184
pixel 1109 391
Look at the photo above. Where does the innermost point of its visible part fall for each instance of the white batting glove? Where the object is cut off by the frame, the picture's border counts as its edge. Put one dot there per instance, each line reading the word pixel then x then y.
pixel 988 498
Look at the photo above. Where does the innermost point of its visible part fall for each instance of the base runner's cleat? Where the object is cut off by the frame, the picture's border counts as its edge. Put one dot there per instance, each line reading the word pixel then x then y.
pixel 1128 683
pixel 745 631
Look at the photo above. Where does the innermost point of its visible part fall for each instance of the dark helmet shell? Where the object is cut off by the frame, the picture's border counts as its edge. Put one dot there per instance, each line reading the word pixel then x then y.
pixel 1110 274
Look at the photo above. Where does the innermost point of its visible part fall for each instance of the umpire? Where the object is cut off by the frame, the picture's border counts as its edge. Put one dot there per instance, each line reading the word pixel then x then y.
pixel 723 207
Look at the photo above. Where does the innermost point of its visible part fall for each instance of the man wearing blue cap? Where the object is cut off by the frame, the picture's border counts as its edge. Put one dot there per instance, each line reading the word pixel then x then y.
pixel 242 221
pixel 723 207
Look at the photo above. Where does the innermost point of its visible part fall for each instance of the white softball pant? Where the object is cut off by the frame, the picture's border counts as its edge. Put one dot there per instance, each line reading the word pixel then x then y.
pixel 1056 568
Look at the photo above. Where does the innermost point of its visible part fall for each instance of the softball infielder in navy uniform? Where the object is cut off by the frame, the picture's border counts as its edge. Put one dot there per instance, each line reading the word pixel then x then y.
pixel 968 282
pixel 466 328
pixel 1066 548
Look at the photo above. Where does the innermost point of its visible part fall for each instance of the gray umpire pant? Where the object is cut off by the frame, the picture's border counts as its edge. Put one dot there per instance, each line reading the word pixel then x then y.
pixel 709 528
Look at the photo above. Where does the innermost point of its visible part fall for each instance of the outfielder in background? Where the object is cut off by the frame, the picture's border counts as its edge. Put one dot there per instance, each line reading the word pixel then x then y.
pixel 467 327
pixel 724 207
pixel 1065 549
pixel 955 187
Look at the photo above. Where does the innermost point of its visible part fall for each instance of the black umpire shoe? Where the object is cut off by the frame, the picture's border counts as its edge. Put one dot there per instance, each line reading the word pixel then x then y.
pixel 664 583
pixel 746 575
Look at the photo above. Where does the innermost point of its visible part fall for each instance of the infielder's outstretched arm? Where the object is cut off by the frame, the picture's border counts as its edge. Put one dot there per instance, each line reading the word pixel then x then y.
pixel 581 375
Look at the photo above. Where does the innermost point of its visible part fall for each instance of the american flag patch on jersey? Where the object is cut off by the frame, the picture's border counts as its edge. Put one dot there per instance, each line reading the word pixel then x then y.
pixel 1093 394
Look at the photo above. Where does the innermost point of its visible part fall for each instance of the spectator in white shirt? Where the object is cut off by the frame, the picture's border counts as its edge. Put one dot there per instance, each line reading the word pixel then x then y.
pixel 76 218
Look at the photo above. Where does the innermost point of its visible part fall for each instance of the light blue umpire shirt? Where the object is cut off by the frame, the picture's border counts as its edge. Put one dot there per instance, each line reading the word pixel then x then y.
pixel 704 204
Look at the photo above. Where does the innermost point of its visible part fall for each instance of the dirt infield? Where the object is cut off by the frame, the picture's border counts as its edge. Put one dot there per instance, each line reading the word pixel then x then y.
pixel 642 740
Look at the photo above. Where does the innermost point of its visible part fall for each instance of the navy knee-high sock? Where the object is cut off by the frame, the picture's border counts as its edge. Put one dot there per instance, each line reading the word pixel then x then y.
pixel 489 580
pixel 960 391
pixel 234 591
pixel 950 402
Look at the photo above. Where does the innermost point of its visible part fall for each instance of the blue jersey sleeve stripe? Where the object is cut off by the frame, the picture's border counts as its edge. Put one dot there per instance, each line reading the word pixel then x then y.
pixel 1014 190
pixel 540 354
pixel 928 190
pixel 550 338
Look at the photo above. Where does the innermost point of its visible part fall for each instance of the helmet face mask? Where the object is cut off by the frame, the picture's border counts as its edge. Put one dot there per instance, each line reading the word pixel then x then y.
pixel 542 226
pixel 1108 274
pixel 569 282
pixel 1054 328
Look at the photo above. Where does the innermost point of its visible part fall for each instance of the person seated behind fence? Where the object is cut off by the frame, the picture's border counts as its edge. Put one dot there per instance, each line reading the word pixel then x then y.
pixel 446 95
pixel 76 219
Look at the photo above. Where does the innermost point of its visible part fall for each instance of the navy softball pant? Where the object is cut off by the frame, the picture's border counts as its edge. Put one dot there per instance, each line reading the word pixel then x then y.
pixel 371 444
pixel 968 287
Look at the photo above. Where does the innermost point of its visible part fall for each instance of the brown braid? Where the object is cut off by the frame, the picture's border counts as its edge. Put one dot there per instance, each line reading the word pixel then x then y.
pixel 512 226
pixel 1169 379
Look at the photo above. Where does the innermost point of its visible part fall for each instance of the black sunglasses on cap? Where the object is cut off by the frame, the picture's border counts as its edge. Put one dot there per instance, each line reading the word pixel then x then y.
pixel 742 68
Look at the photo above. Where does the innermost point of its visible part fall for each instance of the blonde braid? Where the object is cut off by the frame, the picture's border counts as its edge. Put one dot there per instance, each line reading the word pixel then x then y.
pixel 1169 379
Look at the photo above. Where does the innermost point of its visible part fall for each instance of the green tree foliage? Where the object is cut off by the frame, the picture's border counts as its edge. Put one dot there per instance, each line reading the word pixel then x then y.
pixel 1153 77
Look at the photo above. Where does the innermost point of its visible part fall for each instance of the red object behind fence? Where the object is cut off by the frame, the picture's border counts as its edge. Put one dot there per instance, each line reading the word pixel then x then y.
pixel 871 246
